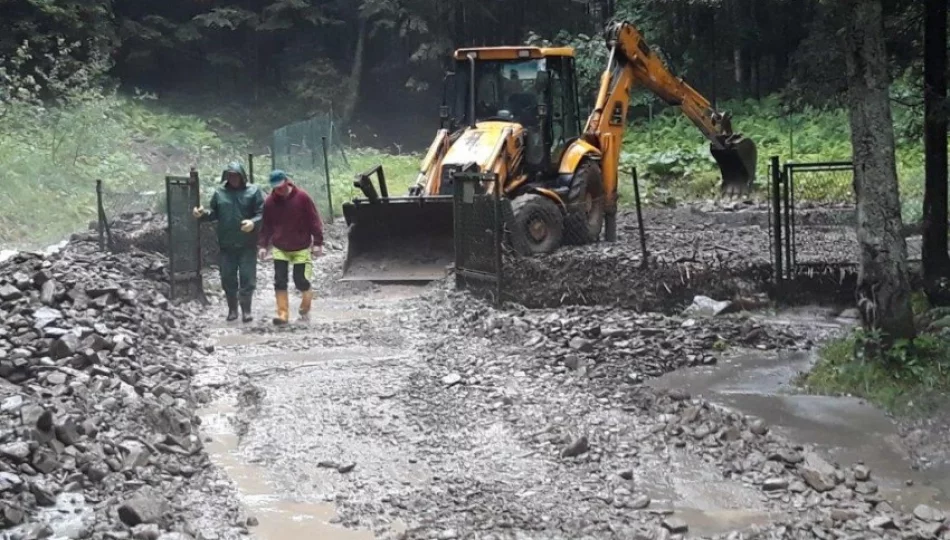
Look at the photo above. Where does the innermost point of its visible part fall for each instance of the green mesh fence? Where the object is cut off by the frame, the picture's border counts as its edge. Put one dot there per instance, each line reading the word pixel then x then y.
pixel 298 149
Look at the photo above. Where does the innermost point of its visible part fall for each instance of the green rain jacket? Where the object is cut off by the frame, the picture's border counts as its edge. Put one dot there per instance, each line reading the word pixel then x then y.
pixel 230 206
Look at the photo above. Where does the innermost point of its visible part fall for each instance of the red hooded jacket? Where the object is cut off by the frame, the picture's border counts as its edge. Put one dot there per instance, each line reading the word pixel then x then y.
pixel 291 223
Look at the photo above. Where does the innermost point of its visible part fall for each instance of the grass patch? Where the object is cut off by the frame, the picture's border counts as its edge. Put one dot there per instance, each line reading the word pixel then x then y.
pixel 52 157
pixel 912 378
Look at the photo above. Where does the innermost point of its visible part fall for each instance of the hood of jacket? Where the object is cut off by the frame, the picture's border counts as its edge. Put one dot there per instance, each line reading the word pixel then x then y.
pixel 235 167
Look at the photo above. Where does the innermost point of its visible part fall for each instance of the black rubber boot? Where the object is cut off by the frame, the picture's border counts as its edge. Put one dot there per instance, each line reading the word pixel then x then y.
pixel 246 309
pixel 232 308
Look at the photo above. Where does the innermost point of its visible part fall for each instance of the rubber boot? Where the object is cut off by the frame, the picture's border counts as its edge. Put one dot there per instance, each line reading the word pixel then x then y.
pixel 283 308
pixel 246 309
pixel 232 307
pixel 306 298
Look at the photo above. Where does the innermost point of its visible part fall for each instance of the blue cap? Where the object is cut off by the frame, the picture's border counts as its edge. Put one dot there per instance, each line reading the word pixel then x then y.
pixel 277 176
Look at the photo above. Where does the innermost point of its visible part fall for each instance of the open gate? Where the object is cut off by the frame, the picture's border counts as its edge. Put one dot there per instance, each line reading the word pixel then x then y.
pixel 183 194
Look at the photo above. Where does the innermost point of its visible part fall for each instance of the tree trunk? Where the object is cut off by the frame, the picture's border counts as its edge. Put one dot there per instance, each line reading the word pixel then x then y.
pixel 883 292
pixel 356 75
pixel 936 259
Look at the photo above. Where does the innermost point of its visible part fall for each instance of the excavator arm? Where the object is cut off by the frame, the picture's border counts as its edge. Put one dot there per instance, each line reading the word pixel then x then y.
pixel 631 62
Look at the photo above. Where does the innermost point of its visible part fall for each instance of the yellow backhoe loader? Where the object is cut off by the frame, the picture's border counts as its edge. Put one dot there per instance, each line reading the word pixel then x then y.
pixel 513 111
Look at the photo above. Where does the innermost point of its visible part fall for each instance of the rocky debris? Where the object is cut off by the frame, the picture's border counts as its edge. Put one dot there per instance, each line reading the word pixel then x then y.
pixel 610 341
pixel 95 394
pixel 542 377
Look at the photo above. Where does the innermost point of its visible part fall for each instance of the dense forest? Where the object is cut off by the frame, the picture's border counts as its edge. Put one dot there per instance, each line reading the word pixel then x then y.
pixel 371 54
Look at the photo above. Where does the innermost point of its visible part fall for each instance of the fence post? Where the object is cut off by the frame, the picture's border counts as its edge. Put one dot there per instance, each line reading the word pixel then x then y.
pixel 326 170
pixel 777 224
pixel 499 220
pixel 250 167
pixel 787 174
pixel 100 216
pixel 643 238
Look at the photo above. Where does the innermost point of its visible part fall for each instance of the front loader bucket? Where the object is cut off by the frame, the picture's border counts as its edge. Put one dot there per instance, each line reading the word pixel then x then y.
pixel 737 163
pixel 399 239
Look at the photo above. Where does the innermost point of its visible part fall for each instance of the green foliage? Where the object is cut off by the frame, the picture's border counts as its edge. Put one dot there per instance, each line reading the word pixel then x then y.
pixel 54 152
pixel 672 156
pixel 910 377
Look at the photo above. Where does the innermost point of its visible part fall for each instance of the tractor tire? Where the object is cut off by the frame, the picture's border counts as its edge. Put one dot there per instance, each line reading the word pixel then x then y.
pixel 585 220
pixel 610 227
pixel 537 226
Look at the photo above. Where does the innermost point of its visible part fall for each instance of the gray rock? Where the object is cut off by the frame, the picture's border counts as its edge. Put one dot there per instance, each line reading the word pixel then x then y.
pixel 576 448
pixel 640 502
pixel 65 346
pixel 703 306
pixel 882 522
pixel 581 344
pixel 775 484
pixel 45 316
pixel 9 292
pixel 862 473
pixel 17 451
pixel 45 461
pixel 927 513
pixel 452 379
pixel 145 507
pixel 146 531
pixel 675 525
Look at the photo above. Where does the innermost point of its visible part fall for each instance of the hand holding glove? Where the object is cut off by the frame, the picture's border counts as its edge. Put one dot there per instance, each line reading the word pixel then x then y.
pixel 247 226
pixel 198 212
pixel 317 251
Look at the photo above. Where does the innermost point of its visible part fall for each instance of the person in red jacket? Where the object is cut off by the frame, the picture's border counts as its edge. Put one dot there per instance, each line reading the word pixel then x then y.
pixel 291 225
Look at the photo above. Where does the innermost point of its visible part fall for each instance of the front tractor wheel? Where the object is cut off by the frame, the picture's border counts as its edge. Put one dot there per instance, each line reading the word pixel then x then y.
pixel 537 226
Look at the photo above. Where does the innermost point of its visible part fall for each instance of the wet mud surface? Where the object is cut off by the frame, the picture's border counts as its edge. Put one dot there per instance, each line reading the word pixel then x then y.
pixel 422 412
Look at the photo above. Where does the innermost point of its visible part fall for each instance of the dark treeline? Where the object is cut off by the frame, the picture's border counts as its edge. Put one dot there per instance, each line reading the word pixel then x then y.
pixel 352 53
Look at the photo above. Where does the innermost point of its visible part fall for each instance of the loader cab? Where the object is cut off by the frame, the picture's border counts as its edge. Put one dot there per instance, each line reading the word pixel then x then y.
pixel 533 87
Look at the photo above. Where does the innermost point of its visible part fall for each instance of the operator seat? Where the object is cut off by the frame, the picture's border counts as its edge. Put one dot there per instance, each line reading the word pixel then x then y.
pixel 525 109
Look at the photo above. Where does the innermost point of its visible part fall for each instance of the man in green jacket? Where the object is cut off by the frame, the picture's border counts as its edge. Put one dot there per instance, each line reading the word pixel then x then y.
pixel 237 206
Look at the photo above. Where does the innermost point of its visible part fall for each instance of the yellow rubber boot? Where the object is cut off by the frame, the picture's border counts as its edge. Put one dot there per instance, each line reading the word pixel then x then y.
pixel 283 308
pixel 306 298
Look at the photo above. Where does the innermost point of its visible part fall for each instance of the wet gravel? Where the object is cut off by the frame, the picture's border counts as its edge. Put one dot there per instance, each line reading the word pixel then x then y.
pixel 460 420
pixel 429 414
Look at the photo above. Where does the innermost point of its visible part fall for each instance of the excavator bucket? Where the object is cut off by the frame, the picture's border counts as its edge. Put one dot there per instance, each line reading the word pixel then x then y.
pixel 737 163
pixel 399 239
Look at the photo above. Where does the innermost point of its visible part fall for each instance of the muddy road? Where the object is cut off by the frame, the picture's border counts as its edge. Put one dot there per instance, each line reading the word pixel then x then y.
pixel 421 412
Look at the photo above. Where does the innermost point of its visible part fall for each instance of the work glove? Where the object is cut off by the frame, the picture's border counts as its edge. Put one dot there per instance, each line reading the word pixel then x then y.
pixel 198 212
pixel 247 226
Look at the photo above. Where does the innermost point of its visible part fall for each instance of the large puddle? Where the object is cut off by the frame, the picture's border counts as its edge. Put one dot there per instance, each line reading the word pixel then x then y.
pixel 846 430
pixel 278 518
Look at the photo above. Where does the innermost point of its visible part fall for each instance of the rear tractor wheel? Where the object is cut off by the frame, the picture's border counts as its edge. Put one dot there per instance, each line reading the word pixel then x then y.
pixel 538 225
pixel 585 221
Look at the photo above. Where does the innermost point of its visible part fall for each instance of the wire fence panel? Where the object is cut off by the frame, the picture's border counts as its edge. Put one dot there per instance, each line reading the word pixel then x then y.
pixel 478 234
pixel 122 212
pixel 184 238
pixel 303 151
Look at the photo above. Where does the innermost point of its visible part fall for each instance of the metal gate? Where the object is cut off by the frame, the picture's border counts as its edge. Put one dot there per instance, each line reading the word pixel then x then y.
pixel 811 217
pixel 478 234
pixel 183 194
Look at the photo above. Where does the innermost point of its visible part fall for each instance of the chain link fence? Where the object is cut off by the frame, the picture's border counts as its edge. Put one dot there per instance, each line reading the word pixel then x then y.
pixel 480 214
pixel 121 213
pixel 306 151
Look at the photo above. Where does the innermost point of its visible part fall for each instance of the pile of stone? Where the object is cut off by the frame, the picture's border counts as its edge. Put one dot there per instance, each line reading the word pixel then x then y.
pixel 148 231
pixel 97 427
pixel 608 339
